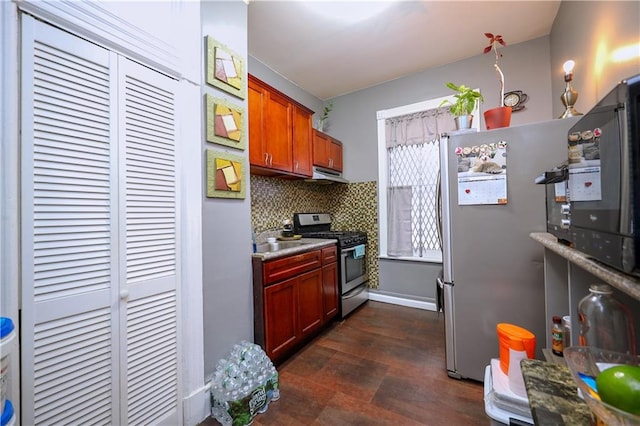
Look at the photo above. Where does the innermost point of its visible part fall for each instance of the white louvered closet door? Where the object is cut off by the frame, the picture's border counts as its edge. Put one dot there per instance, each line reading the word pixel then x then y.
pixel 99 235
pixel 148 243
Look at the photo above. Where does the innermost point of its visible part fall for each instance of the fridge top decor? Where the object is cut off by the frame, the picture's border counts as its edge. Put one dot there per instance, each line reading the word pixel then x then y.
pixel 466 100
pixel 494 42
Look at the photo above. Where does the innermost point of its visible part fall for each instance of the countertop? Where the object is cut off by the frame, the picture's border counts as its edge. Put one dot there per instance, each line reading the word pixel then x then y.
pixel 309 244
pixel 553 395
pixel 623 282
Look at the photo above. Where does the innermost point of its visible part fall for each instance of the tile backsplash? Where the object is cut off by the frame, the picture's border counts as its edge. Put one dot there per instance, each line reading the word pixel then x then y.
pixel 354 207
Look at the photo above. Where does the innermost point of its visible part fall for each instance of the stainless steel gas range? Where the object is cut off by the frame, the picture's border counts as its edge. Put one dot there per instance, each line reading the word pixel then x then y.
pixel 352 269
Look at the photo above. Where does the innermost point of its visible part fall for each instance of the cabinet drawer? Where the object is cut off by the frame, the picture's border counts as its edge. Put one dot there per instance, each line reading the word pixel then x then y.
pixel 329 255
pixel 280 269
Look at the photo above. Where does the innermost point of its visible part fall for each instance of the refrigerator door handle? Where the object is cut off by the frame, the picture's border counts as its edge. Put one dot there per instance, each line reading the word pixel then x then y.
pixel 441 283
pixel 449 329
pixel 444 203
pixel 439 208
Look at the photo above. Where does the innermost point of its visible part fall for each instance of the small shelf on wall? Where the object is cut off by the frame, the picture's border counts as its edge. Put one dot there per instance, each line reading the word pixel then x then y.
pixel 568 273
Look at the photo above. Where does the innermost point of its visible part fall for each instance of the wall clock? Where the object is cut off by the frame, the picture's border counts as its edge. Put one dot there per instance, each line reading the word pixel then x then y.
pixel 515 99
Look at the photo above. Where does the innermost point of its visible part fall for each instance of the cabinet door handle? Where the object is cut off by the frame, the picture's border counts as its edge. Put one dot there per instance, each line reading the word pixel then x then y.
pixel 296 166
pixel 271 159
pixel 266 158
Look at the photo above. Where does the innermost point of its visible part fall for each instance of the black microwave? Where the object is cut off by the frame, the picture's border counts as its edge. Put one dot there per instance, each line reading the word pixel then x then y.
pixel 604 179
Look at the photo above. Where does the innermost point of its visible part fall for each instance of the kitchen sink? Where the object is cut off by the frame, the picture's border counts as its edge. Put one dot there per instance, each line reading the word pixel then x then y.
pixel 282 245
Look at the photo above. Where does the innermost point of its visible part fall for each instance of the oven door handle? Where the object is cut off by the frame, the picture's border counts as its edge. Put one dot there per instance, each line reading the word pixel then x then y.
pixel 349 250
pixel 354 294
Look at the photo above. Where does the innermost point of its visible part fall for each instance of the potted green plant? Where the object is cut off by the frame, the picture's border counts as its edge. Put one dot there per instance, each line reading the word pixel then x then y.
pixel 500 116
pixel 466 102
pixel 325 114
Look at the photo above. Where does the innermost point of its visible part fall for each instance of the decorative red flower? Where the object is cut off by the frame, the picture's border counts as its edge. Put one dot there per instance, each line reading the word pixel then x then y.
pixel 492 42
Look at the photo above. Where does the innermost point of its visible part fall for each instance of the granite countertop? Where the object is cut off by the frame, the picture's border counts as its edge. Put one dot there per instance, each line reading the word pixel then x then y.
pixel 307 244
pixel 619 280
pixel 553 395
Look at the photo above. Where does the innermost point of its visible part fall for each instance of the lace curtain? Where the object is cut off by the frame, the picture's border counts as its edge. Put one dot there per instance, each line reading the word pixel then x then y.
pixel 411 186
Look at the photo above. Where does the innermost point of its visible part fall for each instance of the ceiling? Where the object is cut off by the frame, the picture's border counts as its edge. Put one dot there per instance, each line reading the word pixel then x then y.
pixel 331 53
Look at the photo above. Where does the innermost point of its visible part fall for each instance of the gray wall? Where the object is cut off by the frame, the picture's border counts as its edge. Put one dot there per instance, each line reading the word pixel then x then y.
pixel 534 67
pixel 226 224
pixel 612 24
pixel 266 74
pixel 408 279
pixel 353 121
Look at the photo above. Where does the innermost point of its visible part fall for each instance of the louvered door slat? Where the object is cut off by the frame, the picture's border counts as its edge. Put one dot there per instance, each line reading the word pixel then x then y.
pixel 68 229
pixel 72 380
pixel 83 77
pixel 61 392
pixel 151 364
pixel 71 146
pixel 73 63
pixel 53 108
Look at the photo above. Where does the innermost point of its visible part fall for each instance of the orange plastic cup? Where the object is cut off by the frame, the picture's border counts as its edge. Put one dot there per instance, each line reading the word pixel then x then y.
pixel 509 333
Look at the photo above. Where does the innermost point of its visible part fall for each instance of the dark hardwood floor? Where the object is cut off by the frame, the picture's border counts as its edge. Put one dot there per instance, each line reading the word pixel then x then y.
pixel 383 365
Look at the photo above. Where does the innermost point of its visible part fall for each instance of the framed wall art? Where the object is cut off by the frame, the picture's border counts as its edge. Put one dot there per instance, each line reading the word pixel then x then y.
pixel 225 69
pixel 225 123
pixel 226 177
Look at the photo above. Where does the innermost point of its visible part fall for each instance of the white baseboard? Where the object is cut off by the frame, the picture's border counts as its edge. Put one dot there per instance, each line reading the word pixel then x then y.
pixel 394 300
pixel 196 406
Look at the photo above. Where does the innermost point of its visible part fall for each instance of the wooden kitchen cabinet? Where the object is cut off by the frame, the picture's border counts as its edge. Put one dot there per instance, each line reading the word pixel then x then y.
pixel 327 151
pixel 302 141
pixel 280 132
pixel 291 298
pixel 310 302
pixel 280 317
pixel 330 296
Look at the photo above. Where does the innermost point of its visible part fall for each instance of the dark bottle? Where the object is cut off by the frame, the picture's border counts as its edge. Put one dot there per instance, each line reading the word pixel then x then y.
pixel 556 336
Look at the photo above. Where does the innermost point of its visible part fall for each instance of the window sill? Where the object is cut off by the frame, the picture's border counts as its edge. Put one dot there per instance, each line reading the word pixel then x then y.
pixel 430 259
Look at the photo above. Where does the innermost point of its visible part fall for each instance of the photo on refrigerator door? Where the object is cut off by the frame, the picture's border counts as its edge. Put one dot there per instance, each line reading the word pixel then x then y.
pixel 482 174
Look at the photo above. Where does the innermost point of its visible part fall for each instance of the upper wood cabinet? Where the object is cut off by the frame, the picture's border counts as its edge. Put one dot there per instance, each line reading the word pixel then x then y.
pixel 302 141
pixel 280 132
pixel 327 151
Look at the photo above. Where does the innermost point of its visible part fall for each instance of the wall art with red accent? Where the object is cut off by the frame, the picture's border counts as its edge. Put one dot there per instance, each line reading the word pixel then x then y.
pixel 226 177
pixel 225 69
pixel 225 123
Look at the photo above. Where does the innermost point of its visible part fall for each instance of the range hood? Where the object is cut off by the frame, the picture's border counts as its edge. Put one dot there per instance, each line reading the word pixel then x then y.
pixel 322 175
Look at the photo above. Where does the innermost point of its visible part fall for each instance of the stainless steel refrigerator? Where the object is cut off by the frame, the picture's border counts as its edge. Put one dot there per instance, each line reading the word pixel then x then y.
pixel 492 270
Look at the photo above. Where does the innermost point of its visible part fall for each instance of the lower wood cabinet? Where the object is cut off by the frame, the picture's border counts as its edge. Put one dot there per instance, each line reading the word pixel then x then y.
pixel 281 326
pixel 294 308
pixel 310 301
pixel 330 296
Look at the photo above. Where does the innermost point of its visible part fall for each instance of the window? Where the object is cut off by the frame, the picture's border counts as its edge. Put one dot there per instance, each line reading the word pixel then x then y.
pixel 409 168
